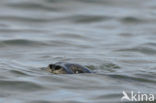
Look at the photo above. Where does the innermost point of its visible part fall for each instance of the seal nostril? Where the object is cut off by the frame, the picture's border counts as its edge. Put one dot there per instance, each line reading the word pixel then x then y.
pixel 51 66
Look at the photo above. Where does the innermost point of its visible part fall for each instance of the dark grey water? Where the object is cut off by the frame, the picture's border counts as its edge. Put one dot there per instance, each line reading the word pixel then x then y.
pixel 116 38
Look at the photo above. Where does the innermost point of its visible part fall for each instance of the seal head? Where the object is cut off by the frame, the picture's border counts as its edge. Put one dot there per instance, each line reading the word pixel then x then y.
pixel 67 68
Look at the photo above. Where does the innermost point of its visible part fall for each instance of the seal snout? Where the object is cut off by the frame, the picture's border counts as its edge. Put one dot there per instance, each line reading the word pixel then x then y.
pixel 54 67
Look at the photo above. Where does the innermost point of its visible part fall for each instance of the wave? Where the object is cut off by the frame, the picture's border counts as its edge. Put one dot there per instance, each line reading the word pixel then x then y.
pixel 140 49
pixel 131 20
pixel 21 42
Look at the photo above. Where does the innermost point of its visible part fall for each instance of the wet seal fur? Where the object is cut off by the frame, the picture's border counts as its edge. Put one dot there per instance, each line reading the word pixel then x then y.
pixel 67 68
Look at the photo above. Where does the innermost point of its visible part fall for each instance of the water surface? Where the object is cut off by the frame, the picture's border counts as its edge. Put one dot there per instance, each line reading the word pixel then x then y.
pixel 115 38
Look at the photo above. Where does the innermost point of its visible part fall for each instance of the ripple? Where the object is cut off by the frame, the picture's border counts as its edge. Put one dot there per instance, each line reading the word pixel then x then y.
pixel 89 18
pixel 17 72
pixel 34 6
pixel 150 44
pixel 109 67
pixel 95 1
pixel 42 101
pixel 132 78
pixel 24 86
pixel 22 42
pixel 53 1
pixel 68 43
pixel 73 36
pixel 131 20
pixel 23 19
pixel 140 49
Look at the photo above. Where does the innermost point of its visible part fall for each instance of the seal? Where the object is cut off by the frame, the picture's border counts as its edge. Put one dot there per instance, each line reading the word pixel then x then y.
pixel 67 68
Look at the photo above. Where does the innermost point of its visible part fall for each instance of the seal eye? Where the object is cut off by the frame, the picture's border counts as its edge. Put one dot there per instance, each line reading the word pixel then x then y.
pixel 57 67
pixel 51 66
